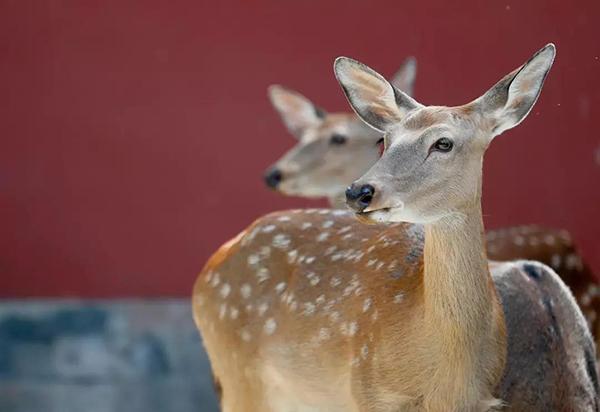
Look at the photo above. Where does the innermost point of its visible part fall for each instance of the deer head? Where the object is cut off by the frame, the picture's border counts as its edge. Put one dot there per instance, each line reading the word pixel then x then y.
pixel 431 166
pixel 332 149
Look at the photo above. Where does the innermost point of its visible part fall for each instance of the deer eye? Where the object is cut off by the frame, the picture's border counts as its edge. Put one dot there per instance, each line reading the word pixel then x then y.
pixel 337 139
pixel 442 145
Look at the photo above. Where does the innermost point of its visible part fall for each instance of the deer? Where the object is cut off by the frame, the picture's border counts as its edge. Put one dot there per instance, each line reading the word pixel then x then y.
pixel 314 310
pixel 334 149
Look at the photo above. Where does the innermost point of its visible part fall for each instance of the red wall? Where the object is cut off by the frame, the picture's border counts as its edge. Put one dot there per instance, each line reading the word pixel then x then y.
pixel 134 134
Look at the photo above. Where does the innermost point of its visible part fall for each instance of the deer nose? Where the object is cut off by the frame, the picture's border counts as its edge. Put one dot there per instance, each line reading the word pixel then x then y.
pixel 273 177
pixel 359 197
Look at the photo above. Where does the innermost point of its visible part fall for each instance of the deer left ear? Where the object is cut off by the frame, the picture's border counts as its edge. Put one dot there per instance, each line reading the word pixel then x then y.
pixel 513 97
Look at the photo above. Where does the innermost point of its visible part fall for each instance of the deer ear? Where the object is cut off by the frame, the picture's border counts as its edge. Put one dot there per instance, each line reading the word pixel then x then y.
pixel 297 112
pixel 512 98
pixel 404 79
pixel 372 97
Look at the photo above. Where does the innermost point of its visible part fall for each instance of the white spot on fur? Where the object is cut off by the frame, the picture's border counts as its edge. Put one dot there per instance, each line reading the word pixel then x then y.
pixel 334 316
pixel 280 287
pixel 549 240
pixel 371 248
pixel 222 310
pixel 263 275
pixel 320 299
pixel 262 308
pixel 371 262
pixel 555 261
pixel 324 334
pixel 309 308
pixel 379 266
pixel 270 326
pixel 349 328
pixel 374 316
pixel 534 241
pixel 327 224
pixel 335 281
pixel 313 278
pixel 292 256
pixel 330 250
pixel 306 225
pixel 253 260
pixel 283 219
pixel 340 212
pixel 367 304
pixel 225 289
pixel 268 228
pixel 324 211
pixel 347 236
pixel 399 297
pixel 322 236
pixel 246 290
pixel 281 241
pixel 265 251
pixel 344 229
pixel 208 276
pixel 310 259
pixel 215 280
pixel 245 335
pixel 233 312
pixel 519 240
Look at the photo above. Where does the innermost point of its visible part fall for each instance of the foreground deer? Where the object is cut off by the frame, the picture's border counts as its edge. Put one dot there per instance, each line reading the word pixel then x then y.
pixel 335 149
pixel 313 311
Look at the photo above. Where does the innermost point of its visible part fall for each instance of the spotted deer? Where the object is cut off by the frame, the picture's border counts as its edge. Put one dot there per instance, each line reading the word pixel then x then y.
pixel 312 310
pixel 335 149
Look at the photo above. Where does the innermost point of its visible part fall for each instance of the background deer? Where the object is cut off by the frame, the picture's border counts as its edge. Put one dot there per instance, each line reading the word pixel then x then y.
pixel 311 310
pixel 335 149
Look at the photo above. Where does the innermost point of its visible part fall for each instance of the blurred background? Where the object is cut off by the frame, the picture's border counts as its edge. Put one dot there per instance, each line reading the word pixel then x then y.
pixel 135 136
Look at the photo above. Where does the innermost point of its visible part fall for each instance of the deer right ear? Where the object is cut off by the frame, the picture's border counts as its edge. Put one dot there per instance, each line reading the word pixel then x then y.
pixel 511 99
pixel 373 98
pixel 296 111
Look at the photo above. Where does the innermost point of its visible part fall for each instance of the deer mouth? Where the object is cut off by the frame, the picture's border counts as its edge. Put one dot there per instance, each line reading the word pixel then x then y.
pixel 379 215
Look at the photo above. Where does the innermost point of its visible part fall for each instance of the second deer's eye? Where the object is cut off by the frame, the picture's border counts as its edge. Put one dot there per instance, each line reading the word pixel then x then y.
pixel 337 139
pixel 442 145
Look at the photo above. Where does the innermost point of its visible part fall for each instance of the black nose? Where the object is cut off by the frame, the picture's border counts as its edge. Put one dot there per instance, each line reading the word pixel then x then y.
pixel 359 197
pixel 273 178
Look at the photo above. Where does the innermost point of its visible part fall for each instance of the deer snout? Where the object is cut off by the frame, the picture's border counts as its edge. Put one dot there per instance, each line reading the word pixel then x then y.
pixel 273 177
pixel 359 196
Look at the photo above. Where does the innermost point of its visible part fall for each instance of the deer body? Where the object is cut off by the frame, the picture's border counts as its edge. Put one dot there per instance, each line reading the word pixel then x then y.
pixel 339 288
pixel 364 300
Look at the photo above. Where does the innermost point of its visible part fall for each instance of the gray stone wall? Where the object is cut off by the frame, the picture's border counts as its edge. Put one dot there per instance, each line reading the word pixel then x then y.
pixel 102 356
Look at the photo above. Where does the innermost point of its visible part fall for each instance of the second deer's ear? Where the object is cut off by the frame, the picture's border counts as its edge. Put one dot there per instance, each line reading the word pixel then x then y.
pixel 404 79
pixel 373 98
pixel 297 112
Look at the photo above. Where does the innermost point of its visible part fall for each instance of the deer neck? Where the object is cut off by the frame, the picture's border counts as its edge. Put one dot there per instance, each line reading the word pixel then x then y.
pixel 463 317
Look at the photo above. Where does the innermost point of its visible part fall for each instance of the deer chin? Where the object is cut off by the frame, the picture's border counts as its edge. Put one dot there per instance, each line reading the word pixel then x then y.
pixel 383 215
